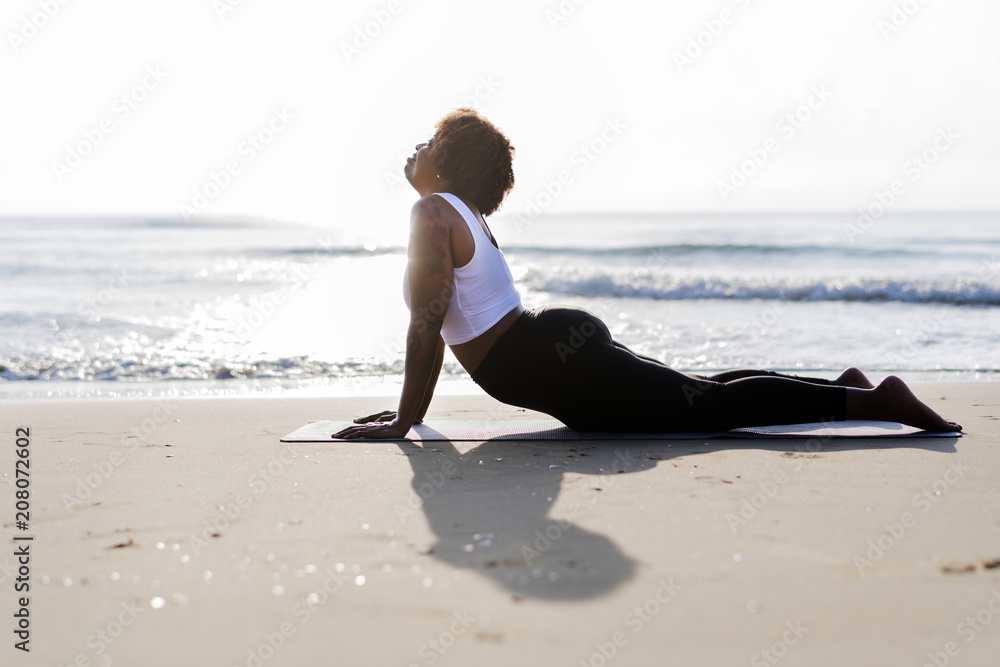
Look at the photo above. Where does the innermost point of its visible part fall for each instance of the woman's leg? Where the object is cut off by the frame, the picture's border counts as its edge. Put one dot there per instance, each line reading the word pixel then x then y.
pixel 768 400
pixel 626 391
pixel 563 362
pixel 741 373
pixel 893 401
pixel 641 356
pixel 655 397
pixel 852 377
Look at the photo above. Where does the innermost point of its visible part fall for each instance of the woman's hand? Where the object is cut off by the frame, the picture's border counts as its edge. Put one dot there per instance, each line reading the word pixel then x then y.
pixel 384 416
pixel 374 430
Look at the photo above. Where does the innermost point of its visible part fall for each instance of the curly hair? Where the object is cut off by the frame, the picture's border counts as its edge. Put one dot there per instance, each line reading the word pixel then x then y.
pixel 475 158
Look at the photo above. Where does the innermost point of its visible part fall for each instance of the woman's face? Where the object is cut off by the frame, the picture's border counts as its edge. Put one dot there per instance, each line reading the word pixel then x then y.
pixel 420 169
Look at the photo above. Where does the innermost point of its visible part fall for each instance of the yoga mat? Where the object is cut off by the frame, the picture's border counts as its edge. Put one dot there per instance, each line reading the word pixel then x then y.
pixel 551 429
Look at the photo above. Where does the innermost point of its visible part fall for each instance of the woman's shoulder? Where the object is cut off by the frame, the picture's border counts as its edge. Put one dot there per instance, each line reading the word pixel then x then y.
pixel 432 222
pixel 433 210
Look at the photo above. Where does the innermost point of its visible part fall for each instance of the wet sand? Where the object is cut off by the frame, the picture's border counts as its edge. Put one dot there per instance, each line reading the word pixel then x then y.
pixel 183 532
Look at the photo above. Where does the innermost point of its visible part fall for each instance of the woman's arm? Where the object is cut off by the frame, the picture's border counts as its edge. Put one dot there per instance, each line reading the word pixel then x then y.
pixel 431 274
pixel 389 415
pixel 432 381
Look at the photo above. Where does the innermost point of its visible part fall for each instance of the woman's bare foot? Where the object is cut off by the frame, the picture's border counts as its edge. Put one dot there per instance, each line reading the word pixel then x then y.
pixel 892 400
pixel 853 377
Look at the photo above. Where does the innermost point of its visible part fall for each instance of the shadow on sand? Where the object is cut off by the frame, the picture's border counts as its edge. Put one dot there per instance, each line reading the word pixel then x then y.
pixel 491 507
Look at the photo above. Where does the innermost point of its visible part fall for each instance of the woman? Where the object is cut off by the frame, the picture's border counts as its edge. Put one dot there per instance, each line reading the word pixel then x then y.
pixel 562 361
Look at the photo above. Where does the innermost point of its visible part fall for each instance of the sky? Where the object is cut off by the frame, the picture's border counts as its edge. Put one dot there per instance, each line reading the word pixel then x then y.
pixel 305 110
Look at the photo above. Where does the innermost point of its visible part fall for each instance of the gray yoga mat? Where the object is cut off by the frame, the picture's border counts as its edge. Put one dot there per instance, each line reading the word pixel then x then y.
pixel 551 429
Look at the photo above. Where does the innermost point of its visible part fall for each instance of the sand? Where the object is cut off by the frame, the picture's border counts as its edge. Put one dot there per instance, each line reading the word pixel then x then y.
pixel 182 532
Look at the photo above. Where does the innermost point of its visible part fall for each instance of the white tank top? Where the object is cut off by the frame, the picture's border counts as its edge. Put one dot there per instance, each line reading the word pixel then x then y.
pixel 483 290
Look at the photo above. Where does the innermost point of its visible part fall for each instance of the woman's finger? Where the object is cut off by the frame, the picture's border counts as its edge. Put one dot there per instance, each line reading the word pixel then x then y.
pixel 375 417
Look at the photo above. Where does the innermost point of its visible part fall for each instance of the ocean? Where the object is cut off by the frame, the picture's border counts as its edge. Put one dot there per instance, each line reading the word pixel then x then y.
pixel 116 307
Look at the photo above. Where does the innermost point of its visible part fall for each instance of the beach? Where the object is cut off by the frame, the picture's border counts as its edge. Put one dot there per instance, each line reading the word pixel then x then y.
pixel 154 366
pixel 180 530
pixel 205 230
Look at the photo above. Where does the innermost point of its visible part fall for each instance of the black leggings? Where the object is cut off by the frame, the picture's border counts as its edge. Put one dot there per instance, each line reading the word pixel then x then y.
pixel 563 362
